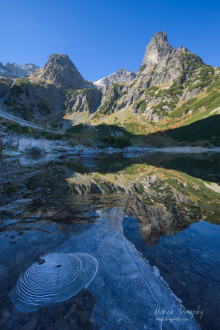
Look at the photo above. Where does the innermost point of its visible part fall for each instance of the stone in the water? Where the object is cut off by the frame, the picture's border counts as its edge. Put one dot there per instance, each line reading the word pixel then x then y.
pixel 54 278
pixel 40 261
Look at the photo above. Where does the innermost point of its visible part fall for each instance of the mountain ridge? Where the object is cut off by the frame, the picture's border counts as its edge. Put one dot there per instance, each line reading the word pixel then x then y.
pixel 172 88
pixel 121 75
pixel 15 70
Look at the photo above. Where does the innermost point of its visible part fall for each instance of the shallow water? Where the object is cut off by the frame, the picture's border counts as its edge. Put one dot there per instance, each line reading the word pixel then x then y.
pixel 170 215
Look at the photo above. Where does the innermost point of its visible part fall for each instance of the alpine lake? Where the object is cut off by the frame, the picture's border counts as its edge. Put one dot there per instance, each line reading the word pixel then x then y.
pixel 164 207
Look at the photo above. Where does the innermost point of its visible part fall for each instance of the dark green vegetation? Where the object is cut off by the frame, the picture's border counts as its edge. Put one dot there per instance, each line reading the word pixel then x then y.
pixel 204 132
pixel 207 130
pixel 101 136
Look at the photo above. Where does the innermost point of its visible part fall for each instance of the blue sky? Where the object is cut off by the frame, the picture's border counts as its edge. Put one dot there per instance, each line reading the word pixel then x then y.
pixel 101 36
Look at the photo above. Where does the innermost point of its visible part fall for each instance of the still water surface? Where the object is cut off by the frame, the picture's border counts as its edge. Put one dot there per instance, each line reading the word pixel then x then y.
pixel 171 213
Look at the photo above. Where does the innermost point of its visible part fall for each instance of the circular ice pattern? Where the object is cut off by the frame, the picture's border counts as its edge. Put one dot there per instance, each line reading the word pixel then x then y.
pixel 53 278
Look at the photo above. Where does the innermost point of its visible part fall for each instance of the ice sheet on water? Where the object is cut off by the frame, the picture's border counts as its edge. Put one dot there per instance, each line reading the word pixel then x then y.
pixel 53 278
pixel 126 288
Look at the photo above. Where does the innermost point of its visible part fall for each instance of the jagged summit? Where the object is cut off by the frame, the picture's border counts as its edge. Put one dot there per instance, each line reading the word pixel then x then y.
pixel 160 35
pixel 163 63
pixel 61 71
pixel 15 70
pixel 157 49
pixel 167 78
pixel 122 75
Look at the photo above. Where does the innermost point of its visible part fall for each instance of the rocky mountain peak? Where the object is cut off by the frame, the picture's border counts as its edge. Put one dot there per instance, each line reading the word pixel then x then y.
pixel 160 37
pixel 122 75
pixel 59 60
pixel 163 63
pixel 61 71
pixel 30 68
pixel 157 49
pixel 15 70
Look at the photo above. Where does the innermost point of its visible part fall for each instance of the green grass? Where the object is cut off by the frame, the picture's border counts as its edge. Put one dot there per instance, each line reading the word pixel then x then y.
pixel 142 68
pixel 134 128
pixel 132 169
pixel 214 85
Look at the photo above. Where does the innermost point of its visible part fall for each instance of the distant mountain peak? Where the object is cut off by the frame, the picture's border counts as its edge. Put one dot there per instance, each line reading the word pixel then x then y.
pixel 15 70
pixel 121 75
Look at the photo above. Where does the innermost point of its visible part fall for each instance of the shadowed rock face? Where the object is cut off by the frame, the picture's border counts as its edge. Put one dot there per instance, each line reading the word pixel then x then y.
pixel 36 102
pixel 61 71
pixel 86 100
pixel 41 98
pixel 5 84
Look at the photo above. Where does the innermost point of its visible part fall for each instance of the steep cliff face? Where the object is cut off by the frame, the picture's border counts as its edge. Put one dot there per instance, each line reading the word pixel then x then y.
pixel 80 104
pixel 158 50
pixel 40 103
pixel 5 84
pixel 162 63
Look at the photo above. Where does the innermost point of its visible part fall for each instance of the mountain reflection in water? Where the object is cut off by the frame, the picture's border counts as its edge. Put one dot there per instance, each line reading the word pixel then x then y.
pixel 166 197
